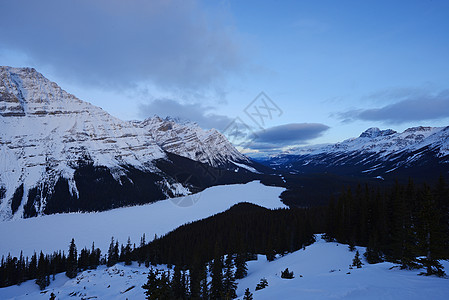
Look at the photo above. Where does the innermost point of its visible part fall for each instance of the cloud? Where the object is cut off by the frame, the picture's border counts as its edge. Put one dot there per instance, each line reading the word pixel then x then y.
pixel 287 135
pixel 414 108
pixel 114 43
pixel 195 112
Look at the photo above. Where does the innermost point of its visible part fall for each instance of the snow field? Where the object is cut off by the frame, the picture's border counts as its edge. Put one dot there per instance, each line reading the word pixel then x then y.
pixel 54 232
pixel 324 267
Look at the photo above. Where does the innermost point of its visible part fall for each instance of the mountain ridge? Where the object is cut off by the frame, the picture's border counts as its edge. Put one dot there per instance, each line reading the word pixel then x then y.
pixel 374 153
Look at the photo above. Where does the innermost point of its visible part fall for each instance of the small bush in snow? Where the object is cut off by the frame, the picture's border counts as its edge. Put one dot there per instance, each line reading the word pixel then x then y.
pixel 262 284
pixel 286 274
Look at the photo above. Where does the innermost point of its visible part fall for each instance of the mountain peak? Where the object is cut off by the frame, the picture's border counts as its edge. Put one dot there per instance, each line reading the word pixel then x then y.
pixel 24 91
pixel 374 132
pixel 418 129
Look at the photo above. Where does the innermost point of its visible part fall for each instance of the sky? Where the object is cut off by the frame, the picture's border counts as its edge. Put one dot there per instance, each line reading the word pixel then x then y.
pixel 268 74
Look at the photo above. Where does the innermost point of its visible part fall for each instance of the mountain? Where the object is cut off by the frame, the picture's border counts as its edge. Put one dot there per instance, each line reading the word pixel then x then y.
pixel 418 152
pixel 210 147
pixel 59 153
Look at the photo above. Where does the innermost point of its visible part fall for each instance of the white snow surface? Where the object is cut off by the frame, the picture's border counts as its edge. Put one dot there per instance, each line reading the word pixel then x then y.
pixel 323 267
pixel 54 232
pixel 45 132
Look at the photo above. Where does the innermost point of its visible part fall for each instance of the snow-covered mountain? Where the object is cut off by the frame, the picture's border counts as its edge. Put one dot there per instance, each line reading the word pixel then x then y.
pixel 374 152
pixel 189 140
pixel 59 153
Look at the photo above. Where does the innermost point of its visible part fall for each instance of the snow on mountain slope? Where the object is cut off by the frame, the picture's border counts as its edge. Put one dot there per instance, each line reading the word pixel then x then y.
pixel 47 134
pixel 54 232
pixel 388 141
pixel 323 267
pixel 418 151
pixel 191 141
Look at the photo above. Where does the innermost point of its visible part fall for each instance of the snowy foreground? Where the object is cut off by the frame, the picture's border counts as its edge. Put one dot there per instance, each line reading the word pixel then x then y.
pixel 54 232
pixel 323 266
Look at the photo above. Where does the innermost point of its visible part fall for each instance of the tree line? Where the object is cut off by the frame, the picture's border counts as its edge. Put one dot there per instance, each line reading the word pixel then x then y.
pixel 244 228
pixel 193 284
pixel 42 267
pixel 399 225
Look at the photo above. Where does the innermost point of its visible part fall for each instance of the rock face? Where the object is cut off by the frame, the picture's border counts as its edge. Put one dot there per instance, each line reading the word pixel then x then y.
pixel 59 153
pixel 418 151
pixel 210 147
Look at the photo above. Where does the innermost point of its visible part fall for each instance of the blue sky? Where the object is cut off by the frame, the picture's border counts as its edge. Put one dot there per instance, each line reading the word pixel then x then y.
pixel 332 68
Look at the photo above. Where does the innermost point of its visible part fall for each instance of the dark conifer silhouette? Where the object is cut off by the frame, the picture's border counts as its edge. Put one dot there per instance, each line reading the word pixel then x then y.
pixel 72 261
pixel 263 283
pixel 356 262
pixel 248 295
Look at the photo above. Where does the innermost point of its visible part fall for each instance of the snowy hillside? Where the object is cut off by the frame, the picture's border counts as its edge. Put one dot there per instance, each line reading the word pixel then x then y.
pixel 54 232
pixel 47 135
pixel 320 273
pixel 418 151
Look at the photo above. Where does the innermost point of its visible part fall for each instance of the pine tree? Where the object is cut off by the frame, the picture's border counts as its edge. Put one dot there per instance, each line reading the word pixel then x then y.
pixel 94 258
pixel 270 251
pixel 373 254
pixel 83 260
pixel 216 289
pixel 431 239
pixel 164 290
pixel 127 253
pixel 229 284
pixel 113 254
pixel 72 261
pixel 204 287
pixel 195 284
pixel 442 200
pixel 241 269
pixel 176 284
pixel 140 250
pixel 185 282
pixel 41 278
pixel 32 267
pixel 21 266
pixel 356 262
pixel 151 285
pixel 158 286
pixel 248 295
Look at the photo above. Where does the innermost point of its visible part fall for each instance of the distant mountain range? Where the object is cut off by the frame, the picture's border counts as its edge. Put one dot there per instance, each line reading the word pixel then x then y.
pixel 418 152
pixel 59 153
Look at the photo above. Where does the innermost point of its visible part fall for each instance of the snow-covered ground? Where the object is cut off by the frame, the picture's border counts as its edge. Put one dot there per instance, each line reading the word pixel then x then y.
pixel 323 266
pixel 54 232
pixel 116 282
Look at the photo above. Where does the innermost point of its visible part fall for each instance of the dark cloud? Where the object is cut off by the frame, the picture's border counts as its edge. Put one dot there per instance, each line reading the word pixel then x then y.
pixel 414 108
pixel 171 44
pixel 287 135
pixel 194 112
